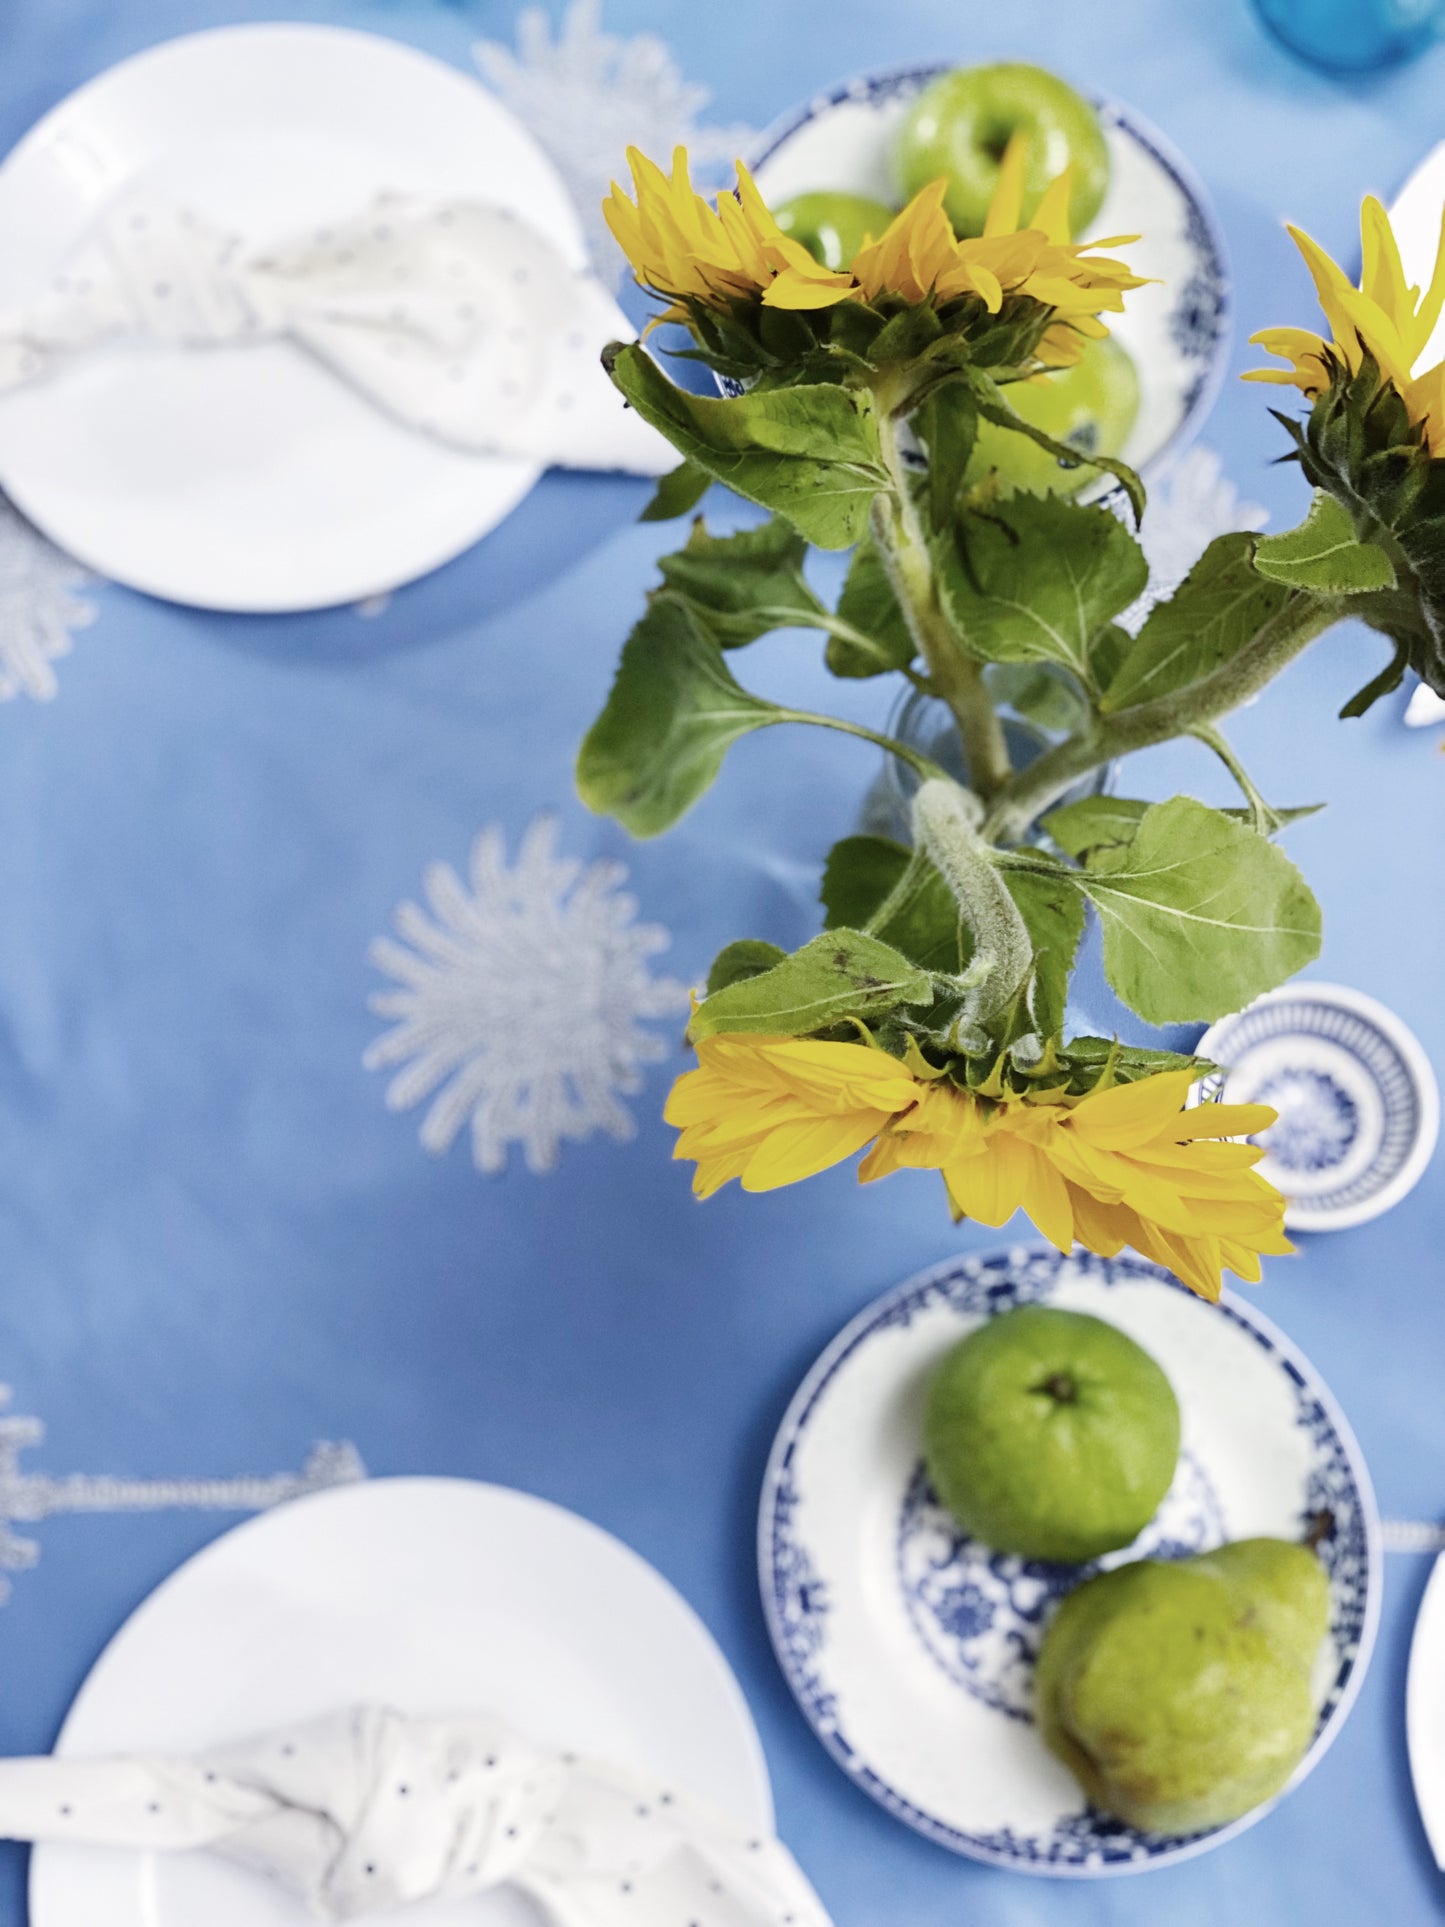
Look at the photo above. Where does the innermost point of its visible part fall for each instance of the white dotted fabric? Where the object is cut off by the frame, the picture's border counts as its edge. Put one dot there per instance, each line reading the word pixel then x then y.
pixel 366 1810
pixel 457 318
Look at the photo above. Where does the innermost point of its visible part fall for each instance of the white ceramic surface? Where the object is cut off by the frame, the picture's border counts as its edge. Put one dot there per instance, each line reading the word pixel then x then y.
pixel 911 1647
pixel 1359 1107
pixel 1425 1710
pixel 1178 331
pixel 430 1595
pixel 253 479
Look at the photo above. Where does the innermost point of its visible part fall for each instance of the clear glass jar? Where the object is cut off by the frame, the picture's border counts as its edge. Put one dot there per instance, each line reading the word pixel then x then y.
pixel 926 724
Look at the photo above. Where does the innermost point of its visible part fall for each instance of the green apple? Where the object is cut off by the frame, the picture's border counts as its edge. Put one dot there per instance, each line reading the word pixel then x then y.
pixel 1051 1434
pixel 1092 406
pixel 1180 1693
pixel 832 227
pixel 961 124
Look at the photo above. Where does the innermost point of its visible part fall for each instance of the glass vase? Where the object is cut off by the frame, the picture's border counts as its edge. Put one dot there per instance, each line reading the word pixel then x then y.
pixel 1353 36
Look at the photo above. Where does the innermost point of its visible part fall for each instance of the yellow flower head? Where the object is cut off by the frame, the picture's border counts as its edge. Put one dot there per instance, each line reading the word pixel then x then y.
pixel 683 249
pixel 1384 316
pixel 1125 1166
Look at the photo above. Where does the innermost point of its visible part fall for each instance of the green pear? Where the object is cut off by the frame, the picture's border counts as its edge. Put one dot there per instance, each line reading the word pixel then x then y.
pixel 1179 1692
pixel 1050 1434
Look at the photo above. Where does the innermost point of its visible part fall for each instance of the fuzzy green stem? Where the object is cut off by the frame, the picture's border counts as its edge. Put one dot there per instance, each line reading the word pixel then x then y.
pixel 946 823
pixel 1032 791
pixel 954 673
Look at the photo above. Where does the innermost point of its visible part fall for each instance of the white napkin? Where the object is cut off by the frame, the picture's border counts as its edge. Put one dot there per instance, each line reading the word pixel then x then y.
pixel 368 1809
pixel 458 318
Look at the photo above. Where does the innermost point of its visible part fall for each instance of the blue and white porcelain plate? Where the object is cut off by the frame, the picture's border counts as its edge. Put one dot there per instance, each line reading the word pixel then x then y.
pixel 1359 1108
pixel 1177 330
pixel 911 1647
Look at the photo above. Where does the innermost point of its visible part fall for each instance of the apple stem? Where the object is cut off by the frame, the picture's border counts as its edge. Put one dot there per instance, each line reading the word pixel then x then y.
pixel 1061 1388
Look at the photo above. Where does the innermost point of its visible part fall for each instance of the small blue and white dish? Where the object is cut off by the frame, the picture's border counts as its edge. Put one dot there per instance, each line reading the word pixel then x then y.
pixel 1178 331
pixel 910 1647
pixel 1359 1108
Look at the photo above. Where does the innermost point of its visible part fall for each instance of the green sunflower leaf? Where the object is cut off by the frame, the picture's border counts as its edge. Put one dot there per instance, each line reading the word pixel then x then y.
pixel 863 872
pixel 841 974
pixel 681 489
pixel 745 584
pixel 879 638
pixel 1200 914
pixel 1053 914
pixel 1324 554
pixel 736 962
pixel 1037 578
pixel 809 453
pixel 673 713
pixel 1221 605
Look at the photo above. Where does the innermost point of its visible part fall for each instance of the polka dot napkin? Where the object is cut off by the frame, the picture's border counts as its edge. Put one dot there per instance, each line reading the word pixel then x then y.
pixel 368 1809
pixel 457 318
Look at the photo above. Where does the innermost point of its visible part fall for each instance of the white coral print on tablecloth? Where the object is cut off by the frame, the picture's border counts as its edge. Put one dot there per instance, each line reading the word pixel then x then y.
pixel 588 95
pixel 28 1497
pixel 40 607
pixel 1191 503
pixel 520 1001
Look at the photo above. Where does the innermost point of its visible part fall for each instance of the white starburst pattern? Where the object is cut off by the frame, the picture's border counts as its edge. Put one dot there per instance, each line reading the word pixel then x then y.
pixel 39 607
pixel 26 1498
pixel 1192 503
pixel 588 96
pixel 520 1001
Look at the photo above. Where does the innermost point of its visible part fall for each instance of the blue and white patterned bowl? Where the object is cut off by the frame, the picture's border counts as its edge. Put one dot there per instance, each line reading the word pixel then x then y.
pixel 1359 1108
pixel 911 1647
pixel 1177 331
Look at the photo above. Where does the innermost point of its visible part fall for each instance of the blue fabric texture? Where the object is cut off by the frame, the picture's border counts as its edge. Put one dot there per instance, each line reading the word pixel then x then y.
pixel 219 1245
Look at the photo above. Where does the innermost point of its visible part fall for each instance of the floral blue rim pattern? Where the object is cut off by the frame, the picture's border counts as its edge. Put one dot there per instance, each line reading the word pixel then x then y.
pixel 1320 1127
pixel 1199 325
pixel 796 1595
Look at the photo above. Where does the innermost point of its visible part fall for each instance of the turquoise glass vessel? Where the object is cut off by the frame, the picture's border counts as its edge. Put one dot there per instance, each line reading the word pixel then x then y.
pixel 1353 36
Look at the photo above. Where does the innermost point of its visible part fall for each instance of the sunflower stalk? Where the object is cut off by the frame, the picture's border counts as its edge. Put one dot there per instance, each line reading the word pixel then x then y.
pixel 955 674
pixel 1031 792
pixel 925 1025
pixel 946 821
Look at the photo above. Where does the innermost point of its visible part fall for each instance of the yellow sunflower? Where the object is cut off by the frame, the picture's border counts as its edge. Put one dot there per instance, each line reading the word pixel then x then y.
pixel 1384 315
pixel 682 249
pixel 1125 1166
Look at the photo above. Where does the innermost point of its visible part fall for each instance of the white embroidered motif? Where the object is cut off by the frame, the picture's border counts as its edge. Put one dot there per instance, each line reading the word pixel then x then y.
pixel 1189 505
pixel 26 1497
pixel 39 607
pixel 520 1001
pixel 588 95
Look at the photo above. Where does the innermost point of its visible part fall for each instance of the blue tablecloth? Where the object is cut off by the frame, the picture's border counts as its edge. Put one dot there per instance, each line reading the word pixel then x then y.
pixel 218 1244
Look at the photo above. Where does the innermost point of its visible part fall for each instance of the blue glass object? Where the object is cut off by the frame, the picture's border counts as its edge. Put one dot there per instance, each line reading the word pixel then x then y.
pixel 1353 36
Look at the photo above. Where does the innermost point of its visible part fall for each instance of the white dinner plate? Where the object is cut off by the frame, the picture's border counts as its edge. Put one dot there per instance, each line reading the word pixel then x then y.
pixel 429 1595
pixel 253 479
pixel 911 1647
